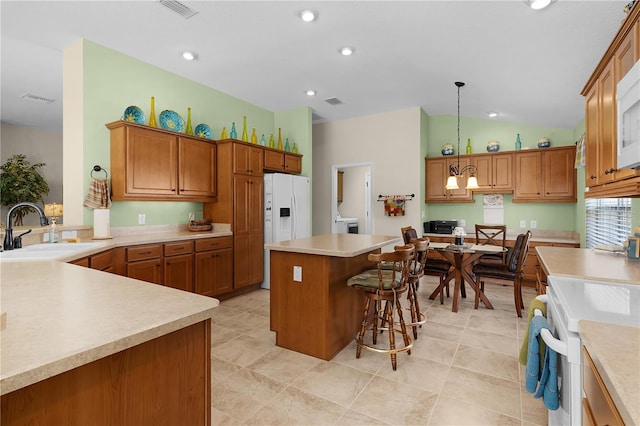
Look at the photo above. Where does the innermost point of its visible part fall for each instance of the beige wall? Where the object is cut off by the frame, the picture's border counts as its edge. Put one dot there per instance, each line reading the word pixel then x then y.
pixel 40 146
pixel 391 142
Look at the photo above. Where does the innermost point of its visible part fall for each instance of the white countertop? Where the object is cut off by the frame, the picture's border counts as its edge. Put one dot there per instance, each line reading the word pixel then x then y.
pixel 338 245
pixel 60 316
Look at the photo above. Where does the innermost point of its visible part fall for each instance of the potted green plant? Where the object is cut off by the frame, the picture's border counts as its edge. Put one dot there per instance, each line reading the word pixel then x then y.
pixel 21 181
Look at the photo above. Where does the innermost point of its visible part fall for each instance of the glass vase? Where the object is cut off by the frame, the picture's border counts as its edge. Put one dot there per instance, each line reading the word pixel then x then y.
pixel 152 114
pixel 245 136
pixel 189 130
pixel 279 138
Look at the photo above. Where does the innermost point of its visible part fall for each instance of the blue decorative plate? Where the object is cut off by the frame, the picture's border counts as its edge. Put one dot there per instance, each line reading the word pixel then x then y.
pixel 171 120
pixel 133 114
pixel 203 131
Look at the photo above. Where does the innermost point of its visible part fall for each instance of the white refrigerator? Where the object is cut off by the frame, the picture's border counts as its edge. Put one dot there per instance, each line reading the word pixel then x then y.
pixel 287 212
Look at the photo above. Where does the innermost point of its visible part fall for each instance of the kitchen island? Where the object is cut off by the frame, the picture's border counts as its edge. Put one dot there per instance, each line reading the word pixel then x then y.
pixel 82 346
pixel 313 311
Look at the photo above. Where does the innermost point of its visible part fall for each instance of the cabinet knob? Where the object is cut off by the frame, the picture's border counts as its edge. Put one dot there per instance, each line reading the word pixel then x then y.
pixel 592 177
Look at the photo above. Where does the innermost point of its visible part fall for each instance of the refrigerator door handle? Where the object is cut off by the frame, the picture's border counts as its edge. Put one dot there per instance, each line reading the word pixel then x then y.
pixel 294 225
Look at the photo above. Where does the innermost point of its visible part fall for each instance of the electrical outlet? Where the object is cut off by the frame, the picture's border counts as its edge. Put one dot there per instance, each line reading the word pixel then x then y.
pixel 523 224
pixel 297 273
pixel 462 222
pixel 534 224
pixel 141 218
pixel 69 234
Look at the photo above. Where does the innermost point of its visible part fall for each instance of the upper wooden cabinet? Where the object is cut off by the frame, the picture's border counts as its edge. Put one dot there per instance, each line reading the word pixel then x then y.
pixel 247 159
pixel 495 172
pixel 436 174
pixel 602 176
pixel 154 164
pixel 545 175
pixel 280 161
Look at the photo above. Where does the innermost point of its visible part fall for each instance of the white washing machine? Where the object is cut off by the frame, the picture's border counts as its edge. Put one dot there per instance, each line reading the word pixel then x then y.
pixel 347 225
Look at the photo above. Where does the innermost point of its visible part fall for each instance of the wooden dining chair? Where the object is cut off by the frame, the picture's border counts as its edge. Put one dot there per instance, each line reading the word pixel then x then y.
pixel 509 272
pixel 494 235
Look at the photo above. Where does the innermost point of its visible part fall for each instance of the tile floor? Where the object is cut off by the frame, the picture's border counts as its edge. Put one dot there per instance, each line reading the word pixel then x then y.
pixel 463 370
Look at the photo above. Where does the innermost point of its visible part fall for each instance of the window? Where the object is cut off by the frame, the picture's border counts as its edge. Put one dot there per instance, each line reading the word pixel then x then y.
pixel 608 221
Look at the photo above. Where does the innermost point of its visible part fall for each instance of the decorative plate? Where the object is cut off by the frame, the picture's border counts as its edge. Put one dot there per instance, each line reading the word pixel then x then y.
pixel 203 131
pixel 133 114
pixel 171 120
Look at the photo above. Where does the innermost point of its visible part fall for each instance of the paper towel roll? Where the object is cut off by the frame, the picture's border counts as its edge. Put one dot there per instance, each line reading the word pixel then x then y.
pixel 101 223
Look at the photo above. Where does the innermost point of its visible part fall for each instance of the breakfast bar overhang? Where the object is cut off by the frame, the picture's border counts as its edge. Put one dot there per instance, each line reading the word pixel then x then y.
pixel 313 311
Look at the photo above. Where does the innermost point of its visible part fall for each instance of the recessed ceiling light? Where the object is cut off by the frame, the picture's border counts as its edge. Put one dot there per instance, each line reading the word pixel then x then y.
pixel 347 51
pixel 310 92
pixel 539 4
pixel 493 114
pixel 189 56
pixel 308 15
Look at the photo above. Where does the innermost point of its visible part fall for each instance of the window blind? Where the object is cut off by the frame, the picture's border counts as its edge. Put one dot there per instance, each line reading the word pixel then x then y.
pixel 608 221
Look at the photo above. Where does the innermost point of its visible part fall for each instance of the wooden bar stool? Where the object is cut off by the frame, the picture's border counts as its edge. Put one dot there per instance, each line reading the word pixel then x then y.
pixel 384 287
pixel 416 271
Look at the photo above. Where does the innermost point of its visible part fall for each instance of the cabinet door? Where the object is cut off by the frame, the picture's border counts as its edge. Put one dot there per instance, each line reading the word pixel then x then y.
pixel 247 159
pixel 592 135
pixel 528 175
pixel 436 170
pixel 248 256
pixel 502 172
pixel 606 145
pixel 214 272
pixel 484 168
pixel 102 261
pixel 178 272
pixel 560 174
pixel 197 168
pixel 146 270
pixel 247 204
pixel 273 160
pixel 151 162
pixel 462 193
pixel 292 164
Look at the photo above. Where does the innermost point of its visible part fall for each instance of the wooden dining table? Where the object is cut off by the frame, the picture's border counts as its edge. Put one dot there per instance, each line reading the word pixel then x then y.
pixel 462 259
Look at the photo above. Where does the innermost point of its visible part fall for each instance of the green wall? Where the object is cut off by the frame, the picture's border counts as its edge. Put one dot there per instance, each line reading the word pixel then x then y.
pixel 549 216
pixel 113 81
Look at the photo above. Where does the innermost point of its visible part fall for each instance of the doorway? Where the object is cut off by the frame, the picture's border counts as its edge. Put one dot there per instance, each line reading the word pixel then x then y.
pixel 356 190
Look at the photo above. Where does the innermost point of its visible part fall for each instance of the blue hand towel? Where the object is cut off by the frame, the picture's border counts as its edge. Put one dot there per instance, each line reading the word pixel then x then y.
pixel 548 388
pixel 533 370
pixel 548 374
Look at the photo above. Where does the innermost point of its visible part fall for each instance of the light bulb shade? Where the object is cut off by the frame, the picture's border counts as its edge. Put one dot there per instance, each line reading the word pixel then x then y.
pixel 53 210
pixel 472 183
pixel 452 183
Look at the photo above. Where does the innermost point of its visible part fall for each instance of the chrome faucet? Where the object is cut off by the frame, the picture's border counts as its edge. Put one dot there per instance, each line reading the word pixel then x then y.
pixel 8 233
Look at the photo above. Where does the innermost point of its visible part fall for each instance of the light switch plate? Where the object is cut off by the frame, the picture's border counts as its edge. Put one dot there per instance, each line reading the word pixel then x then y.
pixel 534 224
pixel 297 273
pixel 523 224
pixel 69 234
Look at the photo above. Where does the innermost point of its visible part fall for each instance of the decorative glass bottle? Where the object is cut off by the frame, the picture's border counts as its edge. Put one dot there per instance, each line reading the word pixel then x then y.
pixel 245 137
pixel 262 141
pixel 518 144
pixel 189 130
pixel 272 143
pixel 152 115
pixel 295 148
pixel 469 146
pixel 254 137
pixel 287 147
pixel 223 134
pixel 279 138
pixel 233 134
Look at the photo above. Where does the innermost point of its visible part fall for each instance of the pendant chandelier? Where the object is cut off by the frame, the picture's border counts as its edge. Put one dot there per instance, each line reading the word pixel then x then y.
pixel 455 172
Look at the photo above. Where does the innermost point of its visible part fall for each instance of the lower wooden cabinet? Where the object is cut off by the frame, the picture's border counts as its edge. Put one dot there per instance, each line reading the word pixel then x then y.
pixel 144 263
pixel 178 265
pixel 213 266
pixel 597 406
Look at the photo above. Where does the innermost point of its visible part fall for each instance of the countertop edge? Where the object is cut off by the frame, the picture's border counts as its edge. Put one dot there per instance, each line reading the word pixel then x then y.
pixel 329 252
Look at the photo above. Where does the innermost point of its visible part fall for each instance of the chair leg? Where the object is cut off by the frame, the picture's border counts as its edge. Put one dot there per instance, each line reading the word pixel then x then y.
pixel 363 328
pixel 392 337
pixel 411 297
pixel 376 318
pixel 403 327
pixel 517 297
pixel 479 288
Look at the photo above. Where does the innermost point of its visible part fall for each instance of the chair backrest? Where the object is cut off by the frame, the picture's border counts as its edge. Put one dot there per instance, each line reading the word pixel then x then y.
pixel 491 234
pixel 419 260
pixel 401 258
pixel 518 255
pixel 408 232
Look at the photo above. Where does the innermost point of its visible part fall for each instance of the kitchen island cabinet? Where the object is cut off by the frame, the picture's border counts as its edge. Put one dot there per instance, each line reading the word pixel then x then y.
pixel 315 312
pixel 85 347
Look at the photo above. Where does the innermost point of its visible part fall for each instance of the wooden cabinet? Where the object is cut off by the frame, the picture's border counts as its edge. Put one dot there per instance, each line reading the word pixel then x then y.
pixel 102 261
pixel 144 263
pixel 279 161
pixel 602 176
pixel 340 185
pixel 154 164
pixel 436 174
pixel 178 265
pixel 545 175
pixel 495 172
pixel 239 202
pixel 213 266
pixel 597 402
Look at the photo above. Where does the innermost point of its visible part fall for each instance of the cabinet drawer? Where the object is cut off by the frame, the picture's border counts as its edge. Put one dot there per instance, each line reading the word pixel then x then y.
pixel 214 243
pixel 182 247
pixel 102 261
pixel 83 261
pixel 149 251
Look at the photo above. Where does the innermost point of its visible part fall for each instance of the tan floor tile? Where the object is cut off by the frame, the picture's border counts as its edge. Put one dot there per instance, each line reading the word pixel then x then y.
pixel 296 407
pixel 242 351
pixel 262 295
pixel 491 341
pixel 419 372
pixel 353 418
pixel 434 349
pixel 241 303
pixel 503 326
pixel 450 411
pixel 223 313
pixel 441 331
pixel 488 391
pixel 263 334
pixel 221 335
pixel 533 409
pixel 395 403
pixel 244 321
pixel 262 309
pixel 236 404
pixel 218 418
pixel 443 314
pixel 284 365
pixel 259 387
pixel 334 382
pixel 221 369
pixel 486 362
pixel 369 361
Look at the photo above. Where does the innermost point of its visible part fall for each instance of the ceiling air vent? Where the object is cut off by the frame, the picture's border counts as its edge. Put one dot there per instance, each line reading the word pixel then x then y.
pixel 36 98
pixel 333 101
pixel 185 11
